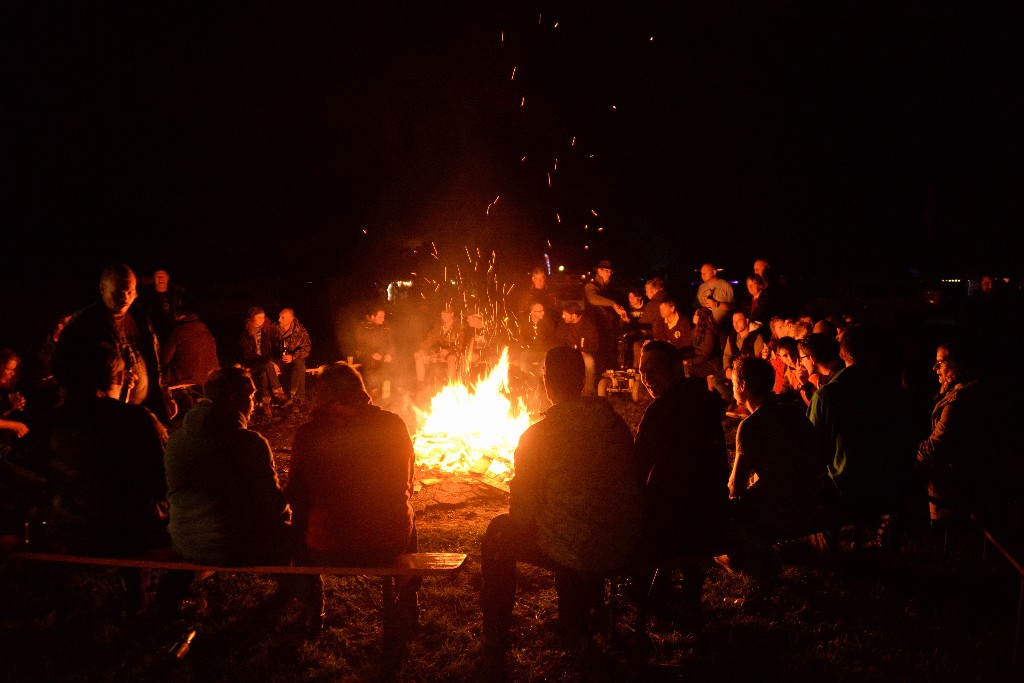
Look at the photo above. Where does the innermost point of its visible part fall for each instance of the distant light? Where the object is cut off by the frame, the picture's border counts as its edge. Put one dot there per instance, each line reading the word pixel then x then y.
pixel 364 231
pixel 561 269
pixel 600 229
pixel 453 282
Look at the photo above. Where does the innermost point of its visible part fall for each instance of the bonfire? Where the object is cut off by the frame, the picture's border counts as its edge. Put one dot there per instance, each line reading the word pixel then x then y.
pixel 472 428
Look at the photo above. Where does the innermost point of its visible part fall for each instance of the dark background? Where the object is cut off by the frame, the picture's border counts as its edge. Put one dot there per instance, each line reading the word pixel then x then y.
pixel 247 150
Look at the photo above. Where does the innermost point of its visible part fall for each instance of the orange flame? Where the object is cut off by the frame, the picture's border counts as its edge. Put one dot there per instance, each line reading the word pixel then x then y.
pixel 467 427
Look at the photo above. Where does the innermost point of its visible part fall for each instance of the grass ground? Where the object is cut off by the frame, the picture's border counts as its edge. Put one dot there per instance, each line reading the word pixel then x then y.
pixel 918 614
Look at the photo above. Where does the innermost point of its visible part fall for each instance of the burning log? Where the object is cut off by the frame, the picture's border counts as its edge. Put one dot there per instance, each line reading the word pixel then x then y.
pixel 473 429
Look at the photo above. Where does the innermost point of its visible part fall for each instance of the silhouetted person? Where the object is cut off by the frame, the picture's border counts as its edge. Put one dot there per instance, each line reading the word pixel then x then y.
pixel 682 465
pixel 776 478
pixel 574 505
pixel 351 480
pixel 226 506
pixel 106 468
pixel 864 433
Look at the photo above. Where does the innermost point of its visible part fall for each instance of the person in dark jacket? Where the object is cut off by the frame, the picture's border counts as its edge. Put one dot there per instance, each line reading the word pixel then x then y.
pixel 776 482
pixel 106 473
pixel 162 302
pixel 190 354
pixel 226 506
pixel 683 466
pixel 106 462
pixel 259 347
pixel 864 434
pixel 574 504
pixel 351 480
pixel 114 320
pixel 375 351
pixel 581 333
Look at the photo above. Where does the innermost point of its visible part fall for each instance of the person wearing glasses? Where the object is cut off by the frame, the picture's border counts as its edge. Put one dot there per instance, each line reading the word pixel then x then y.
pixel 949 457
pixel 818 356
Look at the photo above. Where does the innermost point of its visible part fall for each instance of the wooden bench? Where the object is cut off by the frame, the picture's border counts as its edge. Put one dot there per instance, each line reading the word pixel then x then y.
pixel 1018 566
pixel 406 565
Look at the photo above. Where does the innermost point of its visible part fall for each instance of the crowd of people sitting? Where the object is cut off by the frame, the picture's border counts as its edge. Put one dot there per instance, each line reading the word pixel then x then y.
pixel 114 464
pixel 832 434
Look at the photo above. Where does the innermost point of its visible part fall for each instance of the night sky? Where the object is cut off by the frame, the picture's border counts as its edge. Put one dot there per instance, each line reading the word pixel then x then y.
pixel 849 138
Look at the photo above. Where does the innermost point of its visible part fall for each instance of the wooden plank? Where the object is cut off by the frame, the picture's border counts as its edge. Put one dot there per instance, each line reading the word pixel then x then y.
pixel 413 564
pixel 1005 553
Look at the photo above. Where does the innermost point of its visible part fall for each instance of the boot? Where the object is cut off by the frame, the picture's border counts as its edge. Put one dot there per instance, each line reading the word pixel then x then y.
pixel 264 413
pixel 280 398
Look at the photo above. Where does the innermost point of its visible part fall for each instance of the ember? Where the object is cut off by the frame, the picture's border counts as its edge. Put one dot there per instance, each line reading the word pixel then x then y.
pixel 472 428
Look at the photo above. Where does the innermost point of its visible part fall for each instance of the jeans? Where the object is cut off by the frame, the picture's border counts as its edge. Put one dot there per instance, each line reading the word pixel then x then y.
pixel 505 542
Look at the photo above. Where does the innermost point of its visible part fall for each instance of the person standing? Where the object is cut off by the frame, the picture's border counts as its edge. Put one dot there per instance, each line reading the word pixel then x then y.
pixel 162 302
pixel 864 433
pixel 606 314
pixel 714 294
pixel 116 321
pixel 959 459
